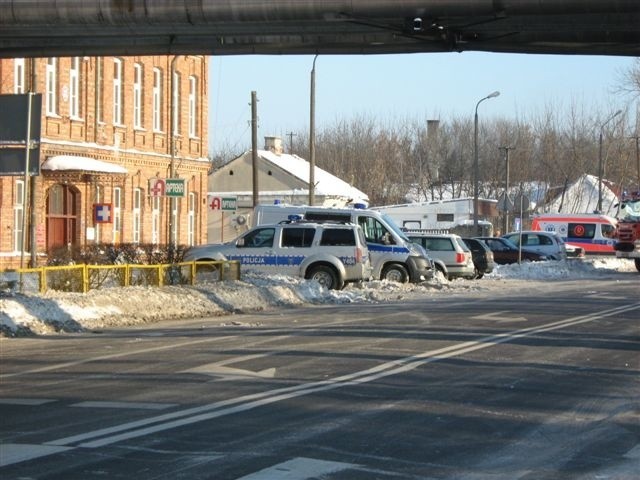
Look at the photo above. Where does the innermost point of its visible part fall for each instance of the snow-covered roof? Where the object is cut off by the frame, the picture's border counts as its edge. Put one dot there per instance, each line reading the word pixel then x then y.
pixel 325 183
pixel 72 162
pixel 582 197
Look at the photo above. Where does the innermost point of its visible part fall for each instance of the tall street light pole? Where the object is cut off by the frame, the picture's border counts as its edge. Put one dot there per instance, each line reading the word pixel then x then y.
pixel 600 161
pixel 312 135
pixel 476 168
pixel 505 222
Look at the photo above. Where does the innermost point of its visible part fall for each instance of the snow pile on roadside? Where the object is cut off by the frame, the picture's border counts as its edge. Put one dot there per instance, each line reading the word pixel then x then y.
pixel 117 307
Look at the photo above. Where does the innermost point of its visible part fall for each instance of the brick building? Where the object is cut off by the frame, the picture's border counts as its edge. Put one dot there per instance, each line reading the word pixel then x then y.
pixel 105 143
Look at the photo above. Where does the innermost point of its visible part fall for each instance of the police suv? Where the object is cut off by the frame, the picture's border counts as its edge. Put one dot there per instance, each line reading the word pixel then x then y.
pixel 329 252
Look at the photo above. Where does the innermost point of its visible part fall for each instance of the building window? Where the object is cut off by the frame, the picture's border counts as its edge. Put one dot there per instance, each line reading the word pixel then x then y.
pixel 191 220
pixel 117 214
pixel 157 100
pixel 18 76
pixel 137 96
pixel 137 198
pixel 99 89
pixel 175 208
pixel 117 91
pixel 175 100
pixel 74 88
pixel 155 220
pixel 51 79
pixel 193 106
pixel 18 216
pixel 98 226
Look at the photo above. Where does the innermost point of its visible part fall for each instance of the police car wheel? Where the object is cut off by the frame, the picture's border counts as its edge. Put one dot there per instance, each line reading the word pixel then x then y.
pixel 637 260
pixel 395 273
pixel 325 276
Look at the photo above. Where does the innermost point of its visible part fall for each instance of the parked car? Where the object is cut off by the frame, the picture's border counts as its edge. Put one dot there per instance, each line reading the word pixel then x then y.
pixel 450 249
pixel 482 256
pixel 575 251
pixel 506 252
pixel 549 244
pixel 330 253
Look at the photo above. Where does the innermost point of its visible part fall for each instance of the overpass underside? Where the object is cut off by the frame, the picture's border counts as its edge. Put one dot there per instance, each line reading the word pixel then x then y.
pixel 41 28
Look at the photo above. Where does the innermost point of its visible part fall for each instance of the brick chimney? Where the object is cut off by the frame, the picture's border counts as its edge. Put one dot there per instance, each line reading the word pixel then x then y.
pixel 273 144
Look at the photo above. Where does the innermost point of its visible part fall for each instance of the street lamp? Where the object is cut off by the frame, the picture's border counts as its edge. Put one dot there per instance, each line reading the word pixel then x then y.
pixel 312 134
pixel 476 172
pixel 600 162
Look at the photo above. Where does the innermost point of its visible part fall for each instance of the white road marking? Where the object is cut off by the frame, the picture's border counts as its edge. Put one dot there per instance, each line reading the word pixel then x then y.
pixel 190 416
pixel 59 366
pixel 19 452
pixel 231 373
pixel 500 317
pixel 26 401
pixel 298 469
pixel 117 433
pixel 219 369
pixel 606 296
pixel 125 405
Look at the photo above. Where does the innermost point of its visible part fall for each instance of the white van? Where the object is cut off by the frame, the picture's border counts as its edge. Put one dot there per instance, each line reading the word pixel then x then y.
pixel 593 232
pixel 393 256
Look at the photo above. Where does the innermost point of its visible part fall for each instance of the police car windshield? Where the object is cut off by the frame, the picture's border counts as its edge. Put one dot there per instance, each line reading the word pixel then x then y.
pixel 394 226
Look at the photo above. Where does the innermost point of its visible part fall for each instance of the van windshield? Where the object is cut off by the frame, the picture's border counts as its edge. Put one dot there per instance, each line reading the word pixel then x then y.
pixel 394 226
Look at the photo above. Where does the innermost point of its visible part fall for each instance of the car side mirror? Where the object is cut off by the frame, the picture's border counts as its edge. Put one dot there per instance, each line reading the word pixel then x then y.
pixel 240 242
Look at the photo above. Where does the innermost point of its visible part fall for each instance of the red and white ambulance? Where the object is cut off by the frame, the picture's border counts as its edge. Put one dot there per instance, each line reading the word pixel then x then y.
pixel 593 232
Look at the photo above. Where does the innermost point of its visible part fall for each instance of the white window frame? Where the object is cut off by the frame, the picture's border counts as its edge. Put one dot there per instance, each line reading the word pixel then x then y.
pixel 19 76
pixel 100 89
pixel 191 220
pixel 157 100
pixel 51 82
pixel 155 220
pixel 175 101
pixel 74 88
pixel 137 95
pixel 117 91
pixel 97 225
pixel 18 216
pixel 193 106
pixel 175 209
pixel 117 214
pixel 136 215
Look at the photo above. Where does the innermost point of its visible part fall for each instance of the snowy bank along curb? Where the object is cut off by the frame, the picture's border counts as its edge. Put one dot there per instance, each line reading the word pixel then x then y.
pixel 119 307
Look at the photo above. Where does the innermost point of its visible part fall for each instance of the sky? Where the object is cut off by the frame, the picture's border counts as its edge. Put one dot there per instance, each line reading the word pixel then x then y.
pixel 391 88
pixel 130 306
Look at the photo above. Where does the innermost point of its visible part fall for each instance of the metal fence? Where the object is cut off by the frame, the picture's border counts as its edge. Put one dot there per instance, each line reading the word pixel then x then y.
pixel 82 278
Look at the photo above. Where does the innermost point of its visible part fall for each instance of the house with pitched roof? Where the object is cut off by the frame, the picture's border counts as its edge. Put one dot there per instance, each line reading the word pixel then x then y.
pixel 282 178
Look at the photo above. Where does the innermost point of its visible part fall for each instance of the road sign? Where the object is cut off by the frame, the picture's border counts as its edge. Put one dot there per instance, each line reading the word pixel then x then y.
pixel 225 204
pixel 521 203
pixel 505 204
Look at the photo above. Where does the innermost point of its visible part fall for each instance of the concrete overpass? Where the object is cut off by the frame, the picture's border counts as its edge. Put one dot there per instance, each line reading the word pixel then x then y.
pixel 41 28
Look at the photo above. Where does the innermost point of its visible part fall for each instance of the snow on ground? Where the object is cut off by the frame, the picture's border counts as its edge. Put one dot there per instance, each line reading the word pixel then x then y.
pixel 120 307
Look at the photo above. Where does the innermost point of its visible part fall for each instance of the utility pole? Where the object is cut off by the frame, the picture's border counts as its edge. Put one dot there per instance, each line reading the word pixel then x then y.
pixel 254 145
pixel 33 183
pixel 291 135
pixel 637 139
pixel 505 222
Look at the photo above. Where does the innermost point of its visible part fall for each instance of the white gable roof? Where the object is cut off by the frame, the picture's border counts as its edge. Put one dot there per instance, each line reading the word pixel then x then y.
pixel 582 197
pixel 326 183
